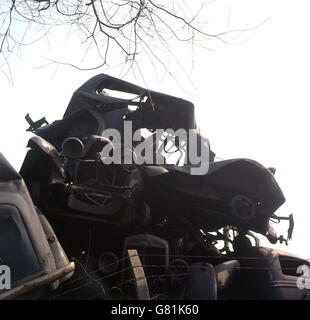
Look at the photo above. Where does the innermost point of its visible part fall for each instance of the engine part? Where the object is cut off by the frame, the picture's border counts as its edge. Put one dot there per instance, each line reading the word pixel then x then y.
pixel 108 262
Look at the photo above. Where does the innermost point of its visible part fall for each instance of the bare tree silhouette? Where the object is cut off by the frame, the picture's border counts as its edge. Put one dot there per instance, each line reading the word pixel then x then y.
pixel 126 27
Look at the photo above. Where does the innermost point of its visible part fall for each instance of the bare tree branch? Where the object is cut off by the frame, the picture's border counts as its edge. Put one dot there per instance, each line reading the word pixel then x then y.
pixel 123 27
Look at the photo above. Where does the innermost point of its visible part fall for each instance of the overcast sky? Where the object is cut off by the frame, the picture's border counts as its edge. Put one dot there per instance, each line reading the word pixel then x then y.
pixel 251 95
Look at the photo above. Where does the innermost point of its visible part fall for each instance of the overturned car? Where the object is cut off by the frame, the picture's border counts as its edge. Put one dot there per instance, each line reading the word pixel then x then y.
pixel 93 214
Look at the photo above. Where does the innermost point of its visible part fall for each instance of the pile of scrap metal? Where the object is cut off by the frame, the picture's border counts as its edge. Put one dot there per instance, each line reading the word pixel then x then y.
pixel 134 231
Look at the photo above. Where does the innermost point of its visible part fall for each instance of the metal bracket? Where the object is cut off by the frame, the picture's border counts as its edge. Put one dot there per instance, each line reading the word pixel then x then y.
pixel 139 275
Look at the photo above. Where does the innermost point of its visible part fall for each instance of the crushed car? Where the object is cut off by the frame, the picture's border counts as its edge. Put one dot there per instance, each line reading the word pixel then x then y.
pixel 75 226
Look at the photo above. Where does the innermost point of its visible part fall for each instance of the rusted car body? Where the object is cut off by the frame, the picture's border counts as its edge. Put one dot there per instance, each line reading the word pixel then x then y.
pixel 138 231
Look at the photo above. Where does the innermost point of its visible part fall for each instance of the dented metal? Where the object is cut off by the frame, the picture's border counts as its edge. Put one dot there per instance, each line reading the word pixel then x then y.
pixel 162 211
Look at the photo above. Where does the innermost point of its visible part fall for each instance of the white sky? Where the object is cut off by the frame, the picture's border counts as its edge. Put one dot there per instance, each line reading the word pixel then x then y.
pixel 252 96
